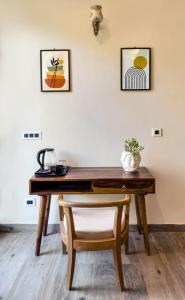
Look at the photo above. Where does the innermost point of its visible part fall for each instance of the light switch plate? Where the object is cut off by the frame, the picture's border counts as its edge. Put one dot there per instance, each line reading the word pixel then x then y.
pixel 156 132
pixel 32 135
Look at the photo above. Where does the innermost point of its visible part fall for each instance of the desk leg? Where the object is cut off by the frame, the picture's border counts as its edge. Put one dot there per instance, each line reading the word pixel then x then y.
pixel 143 217
pixel 42 209
pixel 46 215
pixel 139 227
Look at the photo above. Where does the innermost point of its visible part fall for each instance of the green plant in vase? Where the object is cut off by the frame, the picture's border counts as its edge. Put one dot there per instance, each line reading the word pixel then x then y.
pixel 131 157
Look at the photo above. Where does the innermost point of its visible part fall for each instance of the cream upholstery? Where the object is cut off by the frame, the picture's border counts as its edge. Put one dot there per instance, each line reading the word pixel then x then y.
pixel 93 223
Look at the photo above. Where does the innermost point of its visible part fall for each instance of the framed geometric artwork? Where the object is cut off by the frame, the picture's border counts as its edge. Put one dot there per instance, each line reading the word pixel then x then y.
pixel 55 70
pixel 135 69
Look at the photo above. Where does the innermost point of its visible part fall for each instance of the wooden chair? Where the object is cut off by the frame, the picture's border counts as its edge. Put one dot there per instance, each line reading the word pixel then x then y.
pixel 99 225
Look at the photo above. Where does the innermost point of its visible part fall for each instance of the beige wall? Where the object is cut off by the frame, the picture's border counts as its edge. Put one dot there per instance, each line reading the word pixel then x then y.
pixel 88 125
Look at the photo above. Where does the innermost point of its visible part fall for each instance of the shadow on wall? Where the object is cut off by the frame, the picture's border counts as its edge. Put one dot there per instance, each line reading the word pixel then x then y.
pixel 154 201
pixel 71 159
pixel 165 203
pixel 104 32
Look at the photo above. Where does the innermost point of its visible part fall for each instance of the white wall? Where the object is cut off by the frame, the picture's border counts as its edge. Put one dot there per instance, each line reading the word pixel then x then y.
pixel 88 125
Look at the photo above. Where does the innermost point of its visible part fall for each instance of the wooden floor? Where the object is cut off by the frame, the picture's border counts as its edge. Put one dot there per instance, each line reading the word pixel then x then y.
pixel 26 277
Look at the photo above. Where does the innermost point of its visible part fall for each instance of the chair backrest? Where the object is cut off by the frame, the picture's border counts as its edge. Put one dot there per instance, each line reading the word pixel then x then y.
pixel 117 204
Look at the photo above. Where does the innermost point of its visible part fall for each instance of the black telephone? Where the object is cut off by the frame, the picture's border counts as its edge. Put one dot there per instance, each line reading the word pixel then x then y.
pixel 54 170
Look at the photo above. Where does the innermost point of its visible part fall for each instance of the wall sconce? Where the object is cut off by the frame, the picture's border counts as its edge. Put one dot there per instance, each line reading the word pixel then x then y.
pixel 96 17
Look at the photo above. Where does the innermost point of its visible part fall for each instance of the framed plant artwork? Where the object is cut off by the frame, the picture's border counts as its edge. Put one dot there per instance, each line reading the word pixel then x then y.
pixel 135 69
pixel 55 70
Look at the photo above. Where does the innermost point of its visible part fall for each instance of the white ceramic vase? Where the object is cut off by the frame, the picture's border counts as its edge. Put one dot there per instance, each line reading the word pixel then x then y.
pixel 130 163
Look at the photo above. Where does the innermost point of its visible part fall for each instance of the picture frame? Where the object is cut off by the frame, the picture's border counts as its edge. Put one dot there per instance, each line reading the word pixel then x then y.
pixel 55 70
pixel 135 69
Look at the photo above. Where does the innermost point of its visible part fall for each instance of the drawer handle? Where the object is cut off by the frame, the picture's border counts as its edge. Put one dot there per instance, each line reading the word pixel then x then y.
pixel 123 186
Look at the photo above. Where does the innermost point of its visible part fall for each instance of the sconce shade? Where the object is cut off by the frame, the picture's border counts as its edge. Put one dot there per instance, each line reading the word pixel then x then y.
pixel 96 17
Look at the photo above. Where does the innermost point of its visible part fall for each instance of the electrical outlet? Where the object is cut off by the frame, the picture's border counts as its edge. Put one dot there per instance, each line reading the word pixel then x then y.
pixel 157 132
pixel 30 201
pixel 32 135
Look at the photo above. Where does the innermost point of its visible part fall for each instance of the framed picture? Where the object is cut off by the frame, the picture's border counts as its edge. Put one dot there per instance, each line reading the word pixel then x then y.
pixel 135 69
pixel 55 70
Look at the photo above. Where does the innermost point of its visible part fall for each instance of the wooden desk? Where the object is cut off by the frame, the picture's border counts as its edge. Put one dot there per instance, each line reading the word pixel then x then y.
pixel 94 181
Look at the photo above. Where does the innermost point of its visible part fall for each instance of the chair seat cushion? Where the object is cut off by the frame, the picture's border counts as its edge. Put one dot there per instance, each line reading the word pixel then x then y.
pixel 93 223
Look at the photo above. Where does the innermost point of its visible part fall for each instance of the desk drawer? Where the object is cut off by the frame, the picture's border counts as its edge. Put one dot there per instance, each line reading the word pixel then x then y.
pixel 122 186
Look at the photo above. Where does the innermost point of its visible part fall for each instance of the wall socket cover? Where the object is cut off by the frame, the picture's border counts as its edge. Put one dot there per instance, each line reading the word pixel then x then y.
pixel 30 201
pixel 157 132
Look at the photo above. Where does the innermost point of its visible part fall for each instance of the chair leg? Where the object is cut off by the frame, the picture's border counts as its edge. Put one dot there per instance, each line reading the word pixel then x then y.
pixel 118 266
pixel 126 240
pixel 64 249
pixel 70 267
pixel 61 214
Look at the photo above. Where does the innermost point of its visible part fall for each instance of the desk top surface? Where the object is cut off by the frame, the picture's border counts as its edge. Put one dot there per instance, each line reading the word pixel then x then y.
pixel 93 173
